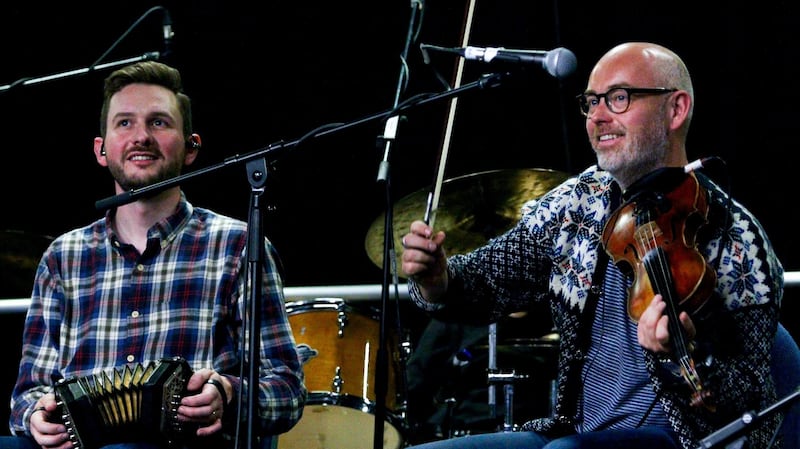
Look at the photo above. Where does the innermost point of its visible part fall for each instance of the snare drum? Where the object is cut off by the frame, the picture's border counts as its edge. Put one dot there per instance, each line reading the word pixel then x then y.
pixel 338 345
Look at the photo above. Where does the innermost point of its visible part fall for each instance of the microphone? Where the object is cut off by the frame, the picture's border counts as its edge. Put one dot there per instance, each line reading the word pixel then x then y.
pixel 559 62
pixel 166 27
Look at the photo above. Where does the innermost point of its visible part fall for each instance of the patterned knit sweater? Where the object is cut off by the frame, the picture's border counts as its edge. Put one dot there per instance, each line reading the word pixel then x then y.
pixel 553 255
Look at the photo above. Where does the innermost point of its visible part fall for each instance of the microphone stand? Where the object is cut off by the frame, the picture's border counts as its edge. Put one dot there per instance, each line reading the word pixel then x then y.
pixel 389 258
pixel 749 419
pixel 257 175
pixel 149 56
pixel 487 81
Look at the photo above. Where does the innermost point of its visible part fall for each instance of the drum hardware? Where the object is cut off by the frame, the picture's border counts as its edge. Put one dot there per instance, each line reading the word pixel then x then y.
pixel 492 366
pixel 336 383
pixel 507 379
pixel 342 320
pixel 447 427
pixel 404 351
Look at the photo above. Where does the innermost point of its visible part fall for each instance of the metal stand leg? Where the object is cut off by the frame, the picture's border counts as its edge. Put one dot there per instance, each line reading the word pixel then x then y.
pixel 508 421
pixel 506 378
pixel 447 425
pixel 553 398
pixel 492 368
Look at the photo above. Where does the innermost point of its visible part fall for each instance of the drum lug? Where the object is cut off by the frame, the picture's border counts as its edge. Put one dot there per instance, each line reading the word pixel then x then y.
pixel 405 350
pixel 336 384
pixel 342 320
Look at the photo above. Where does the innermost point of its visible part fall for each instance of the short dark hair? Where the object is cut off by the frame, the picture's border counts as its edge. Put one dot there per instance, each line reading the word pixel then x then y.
pixel 148 72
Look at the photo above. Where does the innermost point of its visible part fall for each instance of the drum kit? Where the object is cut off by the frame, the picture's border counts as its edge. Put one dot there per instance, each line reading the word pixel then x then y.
pixel 338 342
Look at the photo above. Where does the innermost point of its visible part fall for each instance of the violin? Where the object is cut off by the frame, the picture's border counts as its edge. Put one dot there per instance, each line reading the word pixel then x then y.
pixel 653 235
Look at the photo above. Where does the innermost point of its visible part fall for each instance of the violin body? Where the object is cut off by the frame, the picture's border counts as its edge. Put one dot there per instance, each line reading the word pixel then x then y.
pixel 635 229
pixel 652 236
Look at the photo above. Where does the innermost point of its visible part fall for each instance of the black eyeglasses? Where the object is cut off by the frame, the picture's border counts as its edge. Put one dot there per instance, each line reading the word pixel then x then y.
pixel 618 99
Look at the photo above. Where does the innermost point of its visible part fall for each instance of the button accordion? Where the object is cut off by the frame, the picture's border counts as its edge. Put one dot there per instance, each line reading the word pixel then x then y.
pixel 128 404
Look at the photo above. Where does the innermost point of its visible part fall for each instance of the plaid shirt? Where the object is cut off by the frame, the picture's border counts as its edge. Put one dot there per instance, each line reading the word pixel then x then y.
pixel 97 304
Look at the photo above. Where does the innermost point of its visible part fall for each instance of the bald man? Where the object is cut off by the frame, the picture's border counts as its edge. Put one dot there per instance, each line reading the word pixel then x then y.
pixel 637 367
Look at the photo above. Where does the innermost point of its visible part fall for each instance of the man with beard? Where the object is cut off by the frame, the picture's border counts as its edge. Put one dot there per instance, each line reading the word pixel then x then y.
pixel 157 279
pixel 630 374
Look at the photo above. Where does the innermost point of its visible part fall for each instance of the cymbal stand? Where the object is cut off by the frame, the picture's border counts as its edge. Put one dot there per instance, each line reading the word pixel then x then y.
pixel 497 377
pixel 492 369
pixel 447 427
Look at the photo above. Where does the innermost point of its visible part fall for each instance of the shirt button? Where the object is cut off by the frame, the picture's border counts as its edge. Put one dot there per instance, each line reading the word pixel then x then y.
pixel 130 358
pixel 140 267
pixel 135 314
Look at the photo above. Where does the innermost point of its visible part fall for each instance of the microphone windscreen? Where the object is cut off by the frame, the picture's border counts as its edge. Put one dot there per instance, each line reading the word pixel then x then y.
pixel 560 62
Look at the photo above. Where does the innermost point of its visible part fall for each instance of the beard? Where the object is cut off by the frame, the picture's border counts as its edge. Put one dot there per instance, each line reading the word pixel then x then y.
pixel 127 183
pixel 643 152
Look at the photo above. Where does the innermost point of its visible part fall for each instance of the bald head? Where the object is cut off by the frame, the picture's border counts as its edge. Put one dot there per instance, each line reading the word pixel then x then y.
pixel 653 64
pixel 651 131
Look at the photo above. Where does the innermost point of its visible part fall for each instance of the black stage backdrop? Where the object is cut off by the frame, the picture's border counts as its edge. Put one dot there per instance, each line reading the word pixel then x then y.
pixel 274 71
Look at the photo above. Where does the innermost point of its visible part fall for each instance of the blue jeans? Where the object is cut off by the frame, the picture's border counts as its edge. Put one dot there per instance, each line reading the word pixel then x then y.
pixel 23 442
pixel 644 438
pixel 12 442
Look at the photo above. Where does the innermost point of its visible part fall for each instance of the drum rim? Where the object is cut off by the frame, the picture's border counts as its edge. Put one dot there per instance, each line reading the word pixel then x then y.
pixel 315 304
pixel 348 401
pixel 327 304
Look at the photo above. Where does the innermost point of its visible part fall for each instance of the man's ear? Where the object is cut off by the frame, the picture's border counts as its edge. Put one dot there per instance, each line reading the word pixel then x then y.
pixel 100 151
pixel 193 142
pixel 193 145
pixel 681 104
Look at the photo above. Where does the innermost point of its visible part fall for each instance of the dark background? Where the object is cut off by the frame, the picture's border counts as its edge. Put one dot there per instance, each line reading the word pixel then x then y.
pixel 264 72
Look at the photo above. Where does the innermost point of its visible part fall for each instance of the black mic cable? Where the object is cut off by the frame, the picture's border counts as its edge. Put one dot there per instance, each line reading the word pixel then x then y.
pixel 167 28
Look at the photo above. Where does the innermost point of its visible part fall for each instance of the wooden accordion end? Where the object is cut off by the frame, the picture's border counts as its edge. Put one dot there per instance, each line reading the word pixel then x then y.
pixel 129 404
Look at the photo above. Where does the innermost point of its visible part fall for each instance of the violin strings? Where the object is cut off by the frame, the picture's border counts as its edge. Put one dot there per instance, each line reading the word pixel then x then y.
pixel 648 243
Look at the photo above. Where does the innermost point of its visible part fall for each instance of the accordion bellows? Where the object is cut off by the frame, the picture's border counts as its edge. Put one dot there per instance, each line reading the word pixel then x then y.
pixel 131 403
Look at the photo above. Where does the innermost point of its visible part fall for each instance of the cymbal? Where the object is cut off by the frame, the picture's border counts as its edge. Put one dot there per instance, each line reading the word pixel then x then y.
pixel 20 253
pixel 472 209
